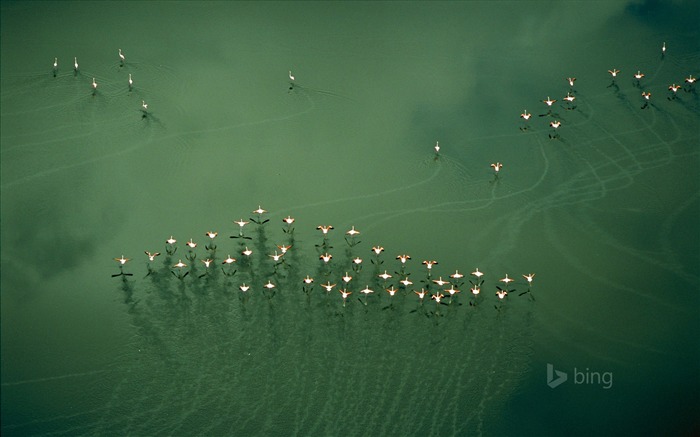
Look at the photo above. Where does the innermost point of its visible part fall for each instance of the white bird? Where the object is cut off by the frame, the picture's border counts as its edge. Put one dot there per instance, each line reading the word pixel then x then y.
pixel 122 260
pixel 506 280
pixel 440 282
pixel 180 264
pixel 144 106
pixel 152 256
pixel 131 81
pixel 291 77
pixel 75 63
pixel 94 84
pixel 121 56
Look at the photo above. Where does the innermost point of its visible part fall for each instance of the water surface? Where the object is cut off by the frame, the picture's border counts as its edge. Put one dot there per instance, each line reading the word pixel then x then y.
pixel 605 215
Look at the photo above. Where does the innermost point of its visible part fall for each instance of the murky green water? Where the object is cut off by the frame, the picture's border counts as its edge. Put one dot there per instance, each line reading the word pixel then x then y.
pixel 605 214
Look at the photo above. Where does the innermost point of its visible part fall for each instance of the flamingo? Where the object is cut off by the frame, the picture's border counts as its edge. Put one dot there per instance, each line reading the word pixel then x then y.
pixel 440 282
pixel 429 264
pixel 403 258
pixel 276 256
pixel 452 290
pixel 324 229
pixel 345 294
pixel 377 250
pixel 122 260
pixel 506 280
pixel 180 264
pixel 366 290
pixel 384 275
pixel 152 256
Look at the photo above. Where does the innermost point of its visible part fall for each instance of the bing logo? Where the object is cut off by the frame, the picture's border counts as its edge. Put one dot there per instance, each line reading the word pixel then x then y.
pixel 555 378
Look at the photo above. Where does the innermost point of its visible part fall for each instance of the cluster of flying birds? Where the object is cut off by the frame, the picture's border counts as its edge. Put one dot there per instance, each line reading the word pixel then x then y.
pixel 446 287
pixel 308 282
pixel 570 97
pixel 94 85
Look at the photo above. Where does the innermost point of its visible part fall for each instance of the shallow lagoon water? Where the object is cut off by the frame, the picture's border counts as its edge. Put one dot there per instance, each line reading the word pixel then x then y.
pixel 605 215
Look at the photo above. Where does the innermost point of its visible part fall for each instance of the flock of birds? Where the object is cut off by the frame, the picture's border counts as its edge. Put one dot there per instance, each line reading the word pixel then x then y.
pixel 554 124
pixel 180 271
pixel 94 84
pixel 345 287
pixel 442 291
pixel 614 72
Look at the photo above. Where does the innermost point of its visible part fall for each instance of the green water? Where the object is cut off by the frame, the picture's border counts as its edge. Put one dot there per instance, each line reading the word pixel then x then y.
pixel 605 215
